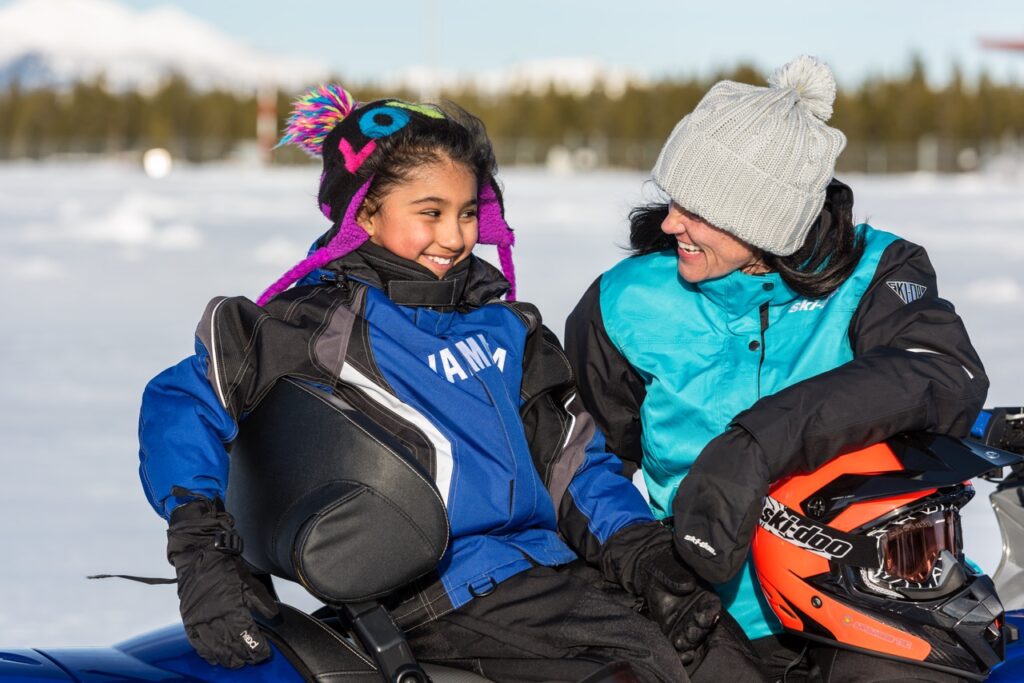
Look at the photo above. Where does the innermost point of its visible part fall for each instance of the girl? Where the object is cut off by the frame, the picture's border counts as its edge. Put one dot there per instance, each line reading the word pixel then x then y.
pixel 757 332
pixel 393 311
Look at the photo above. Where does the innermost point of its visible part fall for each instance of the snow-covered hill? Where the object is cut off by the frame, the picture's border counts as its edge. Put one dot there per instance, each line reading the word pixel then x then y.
pixel 57 42
pixel 578 75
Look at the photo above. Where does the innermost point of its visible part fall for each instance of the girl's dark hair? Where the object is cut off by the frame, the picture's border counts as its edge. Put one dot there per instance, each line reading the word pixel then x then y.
pixel 460 137
pixel 827 257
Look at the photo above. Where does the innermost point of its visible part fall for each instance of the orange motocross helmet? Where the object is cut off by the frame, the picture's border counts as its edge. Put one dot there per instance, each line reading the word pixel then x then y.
pixel 865 553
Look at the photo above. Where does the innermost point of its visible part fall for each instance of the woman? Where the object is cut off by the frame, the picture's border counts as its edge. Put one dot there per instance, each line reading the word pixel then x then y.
pixel 756 332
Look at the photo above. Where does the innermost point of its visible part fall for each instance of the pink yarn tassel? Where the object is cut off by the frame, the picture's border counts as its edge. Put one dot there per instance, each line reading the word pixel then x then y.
pixel 508 269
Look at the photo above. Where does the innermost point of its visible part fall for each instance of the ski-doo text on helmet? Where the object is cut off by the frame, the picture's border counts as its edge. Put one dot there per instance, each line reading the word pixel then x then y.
pixel 801 531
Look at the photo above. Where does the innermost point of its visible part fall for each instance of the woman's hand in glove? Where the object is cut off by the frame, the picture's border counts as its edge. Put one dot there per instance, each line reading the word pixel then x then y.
pixel 684 607
pixel 216 592
pixel 717 505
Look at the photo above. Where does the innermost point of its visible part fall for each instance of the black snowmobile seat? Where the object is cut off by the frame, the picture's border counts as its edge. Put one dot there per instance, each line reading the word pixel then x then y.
pixel 325 497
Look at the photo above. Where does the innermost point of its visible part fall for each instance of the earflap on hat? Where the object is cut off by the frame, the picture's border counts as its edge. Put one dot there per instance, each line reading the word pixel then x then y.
pixel 494 229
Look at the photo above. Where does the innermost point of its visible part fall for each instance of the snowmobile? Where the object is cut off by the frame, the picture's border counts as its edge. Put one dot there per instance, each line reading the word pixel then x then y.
pixel 287 515
pixel 1003 428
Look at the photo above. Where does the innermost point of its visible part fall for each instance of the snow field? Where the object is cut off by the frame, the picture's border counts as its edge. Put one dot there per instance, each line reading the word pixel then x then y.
pixel 105 272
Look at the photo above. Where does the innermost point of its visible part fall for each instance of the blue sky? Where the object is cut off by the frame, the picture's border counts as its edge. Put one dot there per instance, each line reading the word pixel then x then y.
pixel 370 38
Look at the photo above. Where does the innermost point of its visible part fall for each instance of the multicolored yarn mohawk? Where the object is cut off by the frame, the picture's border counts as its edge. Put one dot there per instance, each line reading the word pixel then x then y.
pixel 315 115
pixel 327 122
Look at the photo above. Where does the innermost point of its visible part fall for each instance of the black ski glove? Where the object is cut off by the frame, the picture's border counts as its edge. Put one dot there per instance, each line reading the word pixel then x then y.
pixel 640 558
pixel 684 607
pixel 215 589
pixel 718 503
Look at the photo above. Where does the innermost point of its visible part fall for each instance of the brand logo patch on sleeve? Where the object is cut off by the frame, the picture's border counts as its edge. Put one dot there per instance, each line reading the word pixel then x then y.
pixel 700 543
pixel 907 291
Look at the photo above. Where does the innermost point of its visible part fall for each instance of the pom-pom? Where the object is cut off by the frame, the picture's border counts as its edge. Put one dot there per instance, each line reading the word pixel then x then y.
pixel 315 114
pixel 813 82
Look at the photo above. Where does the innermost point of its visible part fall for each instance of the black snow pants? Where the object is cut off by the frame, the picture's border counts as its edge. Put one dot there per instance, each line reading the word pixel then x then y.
pixel 823 664
pixel 789 659
pixel 548 624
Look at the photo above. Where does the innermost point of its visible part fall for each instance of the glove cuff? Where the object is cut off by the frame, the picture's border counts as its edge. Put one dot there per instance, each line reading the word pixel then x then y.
pixel 624 553
pixel 202 524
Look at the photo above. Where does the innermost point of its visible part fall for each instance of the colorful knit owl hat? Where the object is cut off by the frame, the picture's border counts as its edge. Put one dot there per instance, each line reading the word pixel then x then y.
pixel 327 122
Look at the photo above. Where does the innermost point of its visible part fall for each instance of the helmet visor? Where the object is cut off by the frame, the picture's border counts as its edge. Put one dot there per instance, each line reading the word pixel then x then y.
pixel 911 548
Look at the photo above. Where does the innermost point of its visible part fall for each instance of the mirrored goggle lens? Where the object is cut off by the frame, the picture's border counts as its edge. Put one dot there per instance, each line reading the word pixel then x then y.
pixel 911 549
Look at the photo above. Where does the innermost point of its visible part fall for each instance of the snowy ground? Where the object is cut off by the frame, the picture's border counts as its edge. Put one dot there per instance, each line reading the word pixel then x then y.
pixel 104 273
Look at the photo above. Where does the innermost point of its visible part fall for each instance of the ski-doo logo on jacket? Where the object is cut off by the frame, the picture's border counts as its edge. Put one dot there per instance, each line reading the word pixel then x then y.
pixel 776 519
pixel 907 291
pixel 810 304
pixel 476 354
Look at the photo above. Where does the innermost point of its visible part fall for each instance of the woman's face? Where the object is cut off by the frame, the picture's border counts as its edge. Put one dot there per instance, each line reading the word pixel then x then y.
pixel 430 219
pixel 704 251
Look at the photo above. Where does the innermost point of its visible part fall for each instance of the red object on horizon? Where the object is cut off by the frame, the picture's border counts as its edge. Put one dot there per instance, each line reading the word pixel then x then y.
pixel 1002 44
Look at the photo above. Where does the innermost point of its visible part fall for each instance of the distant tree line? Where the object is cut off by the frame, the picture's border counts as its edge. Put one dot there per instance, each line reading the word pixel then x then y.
pixel 893 124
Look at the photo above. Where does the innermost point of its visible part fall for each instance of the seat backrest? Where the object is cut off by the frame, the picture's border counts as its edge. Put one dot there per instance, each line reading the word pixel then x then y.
pixel 324 496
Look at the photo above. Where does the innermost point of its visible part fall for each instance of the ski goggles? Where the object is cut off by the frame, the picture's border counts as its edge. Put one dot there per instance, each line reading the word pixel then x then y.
pixel 911 547
pixel 920 554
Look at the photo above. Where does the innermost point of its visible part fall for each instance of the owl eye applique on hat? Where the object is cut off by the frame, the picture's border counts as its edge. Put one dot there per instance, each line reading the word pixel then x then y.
pixel 382 121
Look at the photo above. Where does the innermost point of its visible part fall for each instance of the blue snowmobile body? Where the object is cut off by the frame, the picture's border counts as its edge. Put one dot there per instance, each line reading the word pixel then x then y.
pixel 162 655
pixel 305 648
pixel 1012 670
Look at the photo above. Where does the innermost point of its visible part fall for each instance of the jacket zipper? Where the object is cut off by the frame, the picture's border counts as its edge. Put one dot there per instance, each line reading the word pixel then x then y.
pixel 511 450
pixel 763 310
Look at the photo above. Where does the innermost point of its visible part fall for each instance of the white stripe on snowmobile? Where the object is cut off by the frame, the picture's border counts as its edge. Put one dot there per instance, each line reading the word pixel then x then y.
pixel 443 460
pixel 213 354
pixel 969 375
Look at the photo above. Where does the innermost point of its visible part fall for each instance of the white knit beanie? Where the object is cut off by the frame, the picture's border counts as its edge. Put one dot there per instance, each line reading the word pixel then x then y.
pixel 755 161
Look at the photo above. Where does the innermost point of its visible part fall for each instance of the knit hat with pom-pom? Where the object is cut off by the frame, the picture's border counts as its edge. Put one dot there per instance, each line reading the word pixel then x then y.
pixel 327 122
pixel 755 161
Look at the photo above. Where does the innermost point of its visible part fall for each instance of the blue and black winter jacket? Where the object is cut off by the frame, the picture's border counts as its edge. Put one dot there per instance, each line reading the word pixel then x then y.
pixel 478 389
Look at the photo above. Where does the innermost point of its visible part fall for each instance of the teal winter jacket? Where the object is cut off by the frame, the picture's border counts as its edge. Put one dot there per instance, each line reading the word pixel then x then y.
pixel 665 366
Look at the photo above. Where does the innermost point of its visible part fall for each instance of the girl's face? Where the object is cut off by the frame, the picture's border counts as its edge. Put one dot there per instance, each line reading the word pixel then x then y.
pixel 706 252
pixel 430 219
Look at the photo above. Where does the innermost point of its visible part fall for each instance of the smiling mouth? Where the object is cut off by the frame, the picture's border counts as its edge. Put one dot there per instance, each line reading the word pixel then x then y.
pixel 688 248
pixel 440 260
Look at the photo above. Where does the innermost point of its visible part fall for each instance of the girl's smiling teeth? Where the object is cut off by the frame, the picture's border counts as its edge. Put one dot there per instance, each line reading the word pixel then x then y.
pixel 440 260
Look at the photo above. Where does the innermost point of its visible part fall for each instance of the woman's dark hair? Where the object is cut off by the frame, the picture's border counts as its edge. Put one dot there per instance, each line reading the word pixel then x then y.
pixel 460 137
pixel 827 257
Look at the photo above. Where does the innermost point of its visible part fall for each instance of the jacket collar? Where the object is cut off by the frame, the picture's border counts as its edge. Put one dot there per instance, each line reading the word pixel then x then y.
pixel 469 284
pixel 738 293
